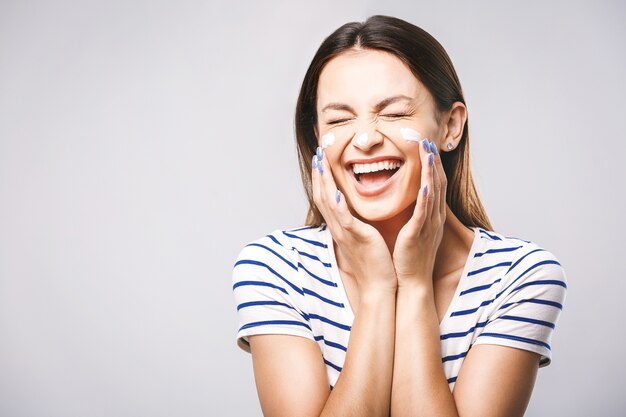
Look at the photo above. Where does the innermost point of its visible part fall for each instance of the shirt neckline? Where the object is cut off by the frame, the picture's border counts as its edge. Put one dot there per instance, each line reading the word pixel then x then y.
pixel 344 295
pixel 466 269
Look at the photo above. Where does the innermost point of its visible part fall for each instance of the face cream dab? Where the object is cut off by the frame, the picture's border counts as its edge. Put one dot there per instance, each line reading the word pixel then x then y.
pixel 362 139
pixel 410 135
pixel 327 140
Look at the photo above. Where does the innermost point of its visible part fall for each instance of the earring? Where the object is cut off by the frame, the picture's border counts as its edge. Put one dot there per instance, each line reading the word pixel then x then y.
pixel 450 146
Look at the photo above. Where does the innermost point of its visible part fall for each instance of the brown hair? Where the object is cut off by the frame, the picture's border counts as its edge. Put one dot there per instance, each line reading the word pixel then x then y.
pixel 430 63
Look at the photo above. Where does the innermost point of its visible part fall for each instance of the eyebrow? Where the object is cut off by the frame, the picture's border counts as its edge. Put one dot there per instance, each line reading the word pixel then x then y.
pixel 379 106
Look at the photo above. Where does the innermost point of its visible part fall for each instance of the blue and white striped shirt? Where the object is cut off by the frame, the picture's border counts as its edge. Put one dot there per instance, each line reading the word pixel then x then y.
pixel 510 293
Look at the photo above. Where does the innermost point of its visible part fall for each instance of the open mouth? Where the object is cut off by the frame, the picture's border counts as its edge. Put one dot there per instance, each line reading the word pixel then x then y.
pixel 375 174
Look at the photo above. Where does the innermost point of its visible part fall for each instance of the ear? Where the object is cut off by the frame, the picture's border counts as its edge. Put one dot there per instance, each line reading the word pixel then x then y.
pixel 454 122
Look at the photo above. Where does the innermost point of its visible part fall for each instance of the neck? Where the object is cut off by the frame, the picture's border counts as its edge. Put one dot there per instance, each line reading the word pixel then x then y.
pixel 455 246
pixel 390 228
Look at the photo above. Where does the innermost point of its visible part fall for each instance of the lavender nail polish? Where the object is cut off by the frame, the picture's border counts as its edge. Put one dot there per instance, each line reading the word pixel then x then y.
pixel 319 153
pixel 337 196
pixel 314 162
pixel 433 148
pixel 426 190
pixel 426 145
pixel 320 168
pixel 431 159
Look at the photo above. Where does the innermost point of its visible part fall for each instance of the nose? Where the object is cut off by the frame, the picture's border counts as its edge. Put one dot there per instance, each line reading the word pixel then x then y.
pixel 366 139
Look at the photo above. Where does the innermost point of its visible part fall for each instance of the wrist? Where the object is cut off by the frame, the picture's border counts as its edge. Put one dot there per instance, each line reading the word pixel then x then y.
pixel 416 286
pixel 375 292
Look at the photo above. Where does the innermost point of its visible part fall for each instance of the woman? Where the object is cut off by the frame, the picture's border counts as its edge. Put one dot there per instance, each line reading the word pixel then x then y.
pixel 397 298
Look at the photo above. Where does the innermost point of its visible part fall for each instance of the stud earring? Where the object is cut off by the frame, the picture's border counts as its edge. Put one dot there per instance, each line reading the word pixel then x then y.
pixel 450 146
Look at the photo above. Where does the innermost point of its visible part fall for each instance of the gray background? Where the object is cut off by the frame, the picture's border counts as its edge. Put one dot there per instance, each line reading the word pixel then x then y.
pixel 143 143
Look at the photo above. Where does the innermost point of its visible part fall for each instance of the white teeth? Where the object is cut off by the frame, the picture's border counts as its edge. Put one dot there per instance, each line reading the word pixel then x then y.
pixel 376 166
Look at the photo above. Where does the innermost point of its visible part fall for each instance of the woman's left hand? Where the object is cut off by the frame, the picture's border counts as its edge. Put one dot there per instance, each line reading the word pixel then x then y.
pixel 417 242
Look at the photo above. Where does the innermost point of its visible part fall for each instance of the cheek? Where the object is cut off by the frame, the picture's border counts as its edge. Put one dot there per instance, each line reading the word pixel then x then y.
pixel 417 172
pixel 410 132
pixel 338 135
pixel 327 140
pixel 417 169
pixel 401 132
pixel 407 138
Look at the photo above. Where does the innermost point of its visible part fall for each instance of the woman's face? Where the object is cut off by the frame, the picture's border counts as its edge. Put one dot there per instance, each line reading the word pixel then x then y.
pixel 371 108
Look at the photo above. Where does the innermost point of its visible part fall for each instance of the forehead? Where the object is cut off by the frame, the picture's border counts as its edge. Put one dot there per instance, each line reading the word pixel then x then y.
pixel 366 76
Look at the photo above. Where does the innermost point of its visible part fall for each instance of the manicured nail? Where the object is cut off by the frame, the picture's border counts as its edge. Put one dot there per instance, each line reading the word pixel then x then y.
pixel 433 148
pixel 319 166
pixel 314 162
pixel 431 159
pixel 426 145
pixel 337 196
pixel 426 190
pixel 319 153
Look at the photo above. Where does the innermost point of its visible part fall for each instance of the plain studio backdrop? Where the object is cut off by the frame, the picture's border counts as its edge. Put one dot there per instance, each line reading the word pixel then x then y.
pixel 144 143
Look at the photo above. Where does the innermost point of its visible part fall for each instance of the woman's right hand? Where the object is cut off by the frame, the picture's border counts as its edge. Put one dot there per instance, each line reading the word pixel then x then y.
pixel 361 245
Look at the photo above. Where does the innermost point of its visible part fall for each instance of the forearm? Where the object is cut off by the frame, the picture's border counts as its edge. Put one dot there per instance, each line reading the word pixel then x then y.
pixel 419 387
pixel 364 385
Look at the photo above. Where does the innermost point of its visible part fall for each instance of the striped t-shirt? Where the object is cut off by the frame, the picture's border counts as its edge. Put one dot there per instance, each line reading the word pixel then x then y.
pixel 510 293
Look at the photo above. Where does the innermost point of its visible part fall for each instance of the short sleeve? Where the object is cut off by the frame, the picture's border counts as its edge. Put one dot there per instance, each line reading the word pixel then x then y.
pixel 528 306
pixel 267 293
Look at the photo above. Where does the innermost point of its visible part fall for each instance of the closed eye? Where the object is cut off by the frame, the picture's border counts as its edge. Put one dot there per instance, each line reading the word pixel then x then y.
pixel 334 122
pixel 395 116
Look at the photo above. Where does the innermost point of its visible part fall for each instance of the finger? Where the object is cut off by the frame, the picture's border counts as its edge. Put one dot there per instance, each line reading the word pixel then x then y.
pixel 334 198
pixel 344 217
pixel 316 186
pixel 323 202
pixel 319 194
pixel 328 181
pixel 420 213
pixel 443 180
pixel 428 163
pixel 436 183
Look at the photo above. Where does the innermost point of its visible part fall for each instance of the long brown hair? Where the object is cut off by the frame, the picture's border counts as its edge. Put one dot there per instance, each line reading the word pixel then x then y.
pixel 430 63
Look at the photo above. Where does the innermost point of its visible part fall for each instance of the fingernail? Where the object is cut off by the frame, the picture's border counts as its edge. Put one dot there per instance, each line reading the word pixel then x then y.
pixel 426 146
pixel 319 153
pixel 431 159
pixel 314 162
pixel 337 196
pixel 433 148
pixel 426 190
pixel 320 167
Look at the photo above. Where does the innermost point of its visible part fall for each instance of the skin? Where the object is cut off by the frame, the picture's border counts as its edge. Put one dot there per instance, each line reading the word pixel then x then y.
pixel 400 255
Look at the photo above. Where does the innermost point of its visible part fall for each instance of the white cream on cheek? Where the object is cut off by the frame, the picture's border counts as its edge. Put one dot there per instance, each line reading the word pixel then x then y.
pixel 407 133
pixel 410 135
pixel 327 140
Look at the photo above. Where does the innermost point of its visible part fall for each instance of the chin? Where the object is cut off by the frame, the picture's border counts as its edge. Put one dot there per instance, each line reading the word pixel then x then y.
pixel 379 212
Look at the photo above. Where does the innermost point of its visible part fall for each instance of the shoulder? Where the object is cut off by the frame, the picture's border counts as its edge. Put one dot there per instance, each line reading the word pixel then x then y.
pixel 529 256
pixel 527 297
pixel 268 287
pixel 279 243
pixel 527 266
pixel 513 250
pixel 278 253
